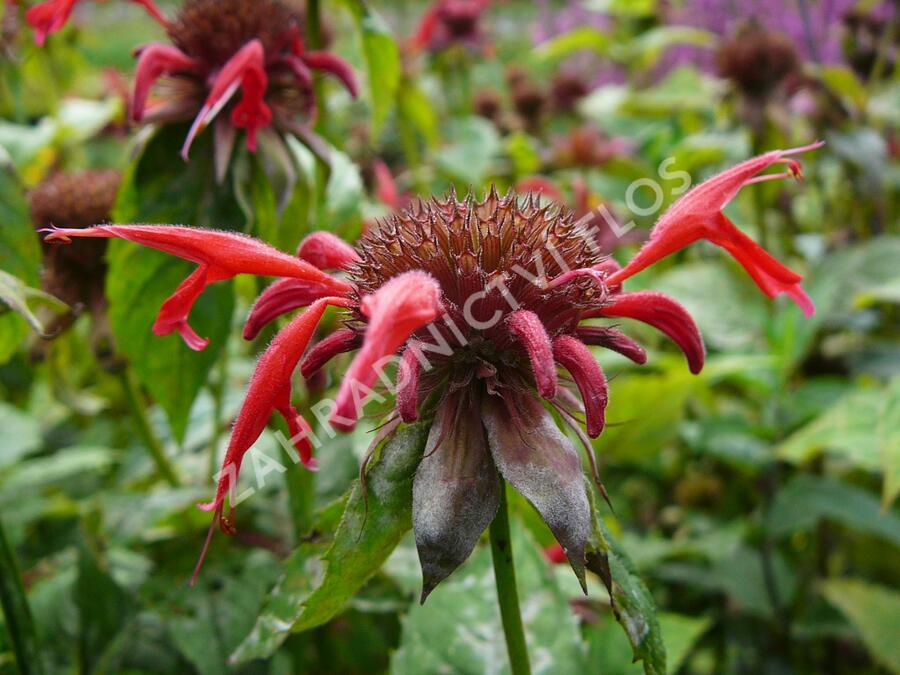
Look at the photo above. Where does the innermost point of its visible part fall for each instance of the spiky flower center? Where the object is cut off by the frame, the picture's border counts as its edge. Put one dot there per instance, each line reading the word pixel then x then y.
pixel 211 31
pixel 491 258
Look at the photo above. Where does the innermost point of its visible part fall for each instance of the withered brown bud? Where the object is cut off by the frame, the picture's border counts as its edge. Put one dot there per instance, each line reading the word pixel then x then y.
pixel 567 89
pixel 76 273
pixel 756 60
pixel 488 104
pixel 529 101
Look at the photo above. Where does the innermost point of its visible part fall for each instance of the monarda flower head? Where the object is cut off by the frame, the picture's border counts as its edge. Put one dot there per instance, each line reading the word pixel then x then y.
pixel 482 304
pixel 450 22
pixel 240 64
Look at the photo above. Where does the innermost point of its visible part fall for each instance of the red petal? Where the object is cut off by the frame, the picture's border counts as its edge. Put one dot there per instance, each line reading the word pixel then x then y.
pixel 221 255
pixel 153 11
pixel 334 65
pixel 283 296
pixel 396 310
pixel 664 313
pixel 340 341
pixel 408 373
pixel 584 369
pixel 542 186
pixel 386 187
pixel 530 331
pixel 326 251
pixel 154 61
pixel 613 339
pixel 48 17
pixel 268 390
pixel 246 69
pixel 697 215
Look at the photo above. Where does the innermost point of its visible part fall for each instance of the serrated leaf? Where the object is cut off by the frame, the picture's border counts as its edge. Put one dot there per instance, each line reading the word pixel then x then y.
pixel 458 630
pixel 313 590
pixel 382 57
pixel 160 188
pixel 875 613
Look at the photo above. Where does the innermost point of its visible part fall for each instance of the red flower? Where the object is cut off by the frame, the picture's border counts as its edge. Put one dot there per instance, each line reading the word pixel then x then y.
pixel 220 256
pixel 698 215
pixel 50 16
pixel 449 22
pixel 482 320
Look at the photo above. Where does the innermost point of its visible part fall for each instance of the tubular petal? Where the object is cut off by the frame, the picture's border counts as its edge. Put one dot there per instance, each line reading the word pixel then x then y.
pixel 584 369
pixel 334 65
pixel 697 216
pixel 340 341
pixel 395 311
pixel 246 69
pixel 48 17
pixel 613 339
pixel 408 373
pixel 268 391
pixel 154 61
pixel 283 296
pixel 221 255
pixel 386 187
pixel 326 251
pixel 530 331
pixel 664 313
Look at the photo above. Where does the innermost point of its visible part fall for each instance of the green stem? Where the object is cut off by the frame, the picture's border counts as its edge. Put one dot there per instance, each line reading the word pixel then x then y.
pixel 145 429
pixel 505 576
pixel 19 625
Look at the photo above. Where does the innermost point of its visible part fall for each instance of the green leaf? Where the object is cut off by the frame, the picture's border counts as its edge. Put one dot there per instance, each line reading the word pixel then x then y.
pixel 806 500
pixel 161 188
pixel 875 613
pixel 382 58
pixel 631 600
pixel 21 435
pixel 647 48
pixel 20 253
pixel 18 623
pixel 103 609
pixel 578 39
pixel 843 81
pixel 416 110
pixel 16 295
pixel 680 634
pixel 468 156
pixel 313 590
pixel 844 430
pixel 887 434
pixel 458 629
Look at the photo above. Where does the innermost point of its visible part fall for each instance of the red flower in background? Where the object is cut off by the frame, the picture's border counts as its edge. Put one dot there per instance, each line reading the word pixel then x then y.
pixel 485 302
pixel 50 16
pixel 449 22
pixel 222 48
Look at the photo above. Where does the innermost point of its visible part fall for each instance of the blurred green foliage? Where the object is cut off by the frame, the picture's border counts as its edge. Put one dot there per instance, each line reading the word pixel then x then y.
pixel 755 525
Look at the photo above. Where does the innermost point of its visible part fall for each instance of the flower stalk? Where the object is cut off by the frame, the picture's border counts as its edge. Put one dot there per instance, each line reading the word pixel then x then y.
pixel 507 594
pixel 145 429
pixel 19 624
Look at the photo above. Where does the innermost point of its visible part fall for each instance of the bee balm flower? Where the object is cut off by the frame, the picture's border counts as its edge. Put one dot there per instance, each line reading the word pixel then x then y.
pixel 484 303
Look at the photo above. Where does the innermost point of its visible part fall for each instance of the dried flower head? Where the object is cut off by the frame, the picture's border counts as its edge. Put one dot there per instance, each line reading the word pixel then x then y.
pixel 76 275
pixel 756 60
